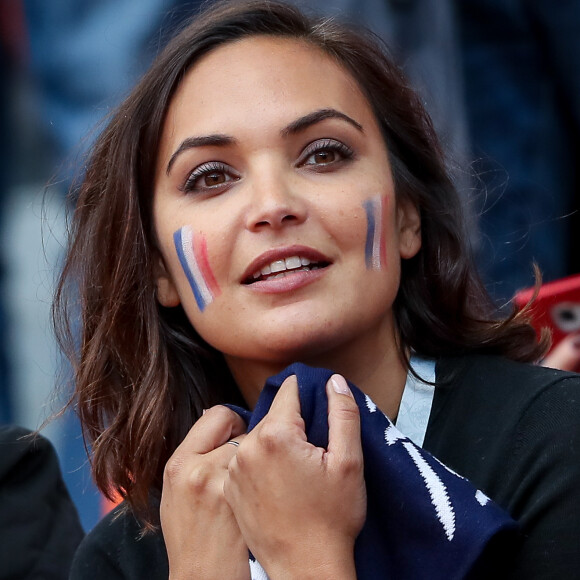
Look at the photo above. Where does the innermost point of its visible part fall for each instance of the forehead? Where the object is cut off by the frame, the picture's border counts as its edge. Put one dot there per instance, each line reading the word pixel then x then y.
pixel 261 82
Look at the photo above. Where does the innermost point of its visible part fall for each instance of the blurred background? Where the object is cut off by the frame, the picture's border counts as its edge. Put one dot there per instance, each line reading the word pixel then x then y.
pixel 501 79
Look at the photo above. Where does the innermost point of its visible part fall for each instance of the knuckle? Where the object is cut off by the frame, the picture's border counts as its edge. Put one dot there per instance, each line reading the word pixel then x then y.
pixel 347 412
pixel 199 478
pixel 196 478
pixel 221 413
pixel 173 468
pixel 270 437
pixel 352 464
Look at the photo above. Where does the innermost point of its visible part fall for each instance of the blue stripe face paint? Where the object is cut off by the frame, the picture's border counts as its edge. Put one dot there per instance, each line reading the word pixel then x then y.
pixel 185 245
pixel 375 240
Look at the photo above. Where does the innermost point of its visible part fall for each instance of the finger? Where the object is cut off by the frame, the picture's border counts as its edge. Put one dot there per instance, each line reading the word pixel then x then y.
pixel 233 444
pixel 343 419
pixel 228 450
pixel 283 424
pixel 235 441
pixel 286 403
pixel 212 430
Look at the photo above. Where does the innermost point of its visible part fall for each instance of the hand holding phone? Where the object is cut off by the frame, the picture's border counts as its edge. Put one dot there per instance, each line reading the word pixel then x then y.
pixel 557 306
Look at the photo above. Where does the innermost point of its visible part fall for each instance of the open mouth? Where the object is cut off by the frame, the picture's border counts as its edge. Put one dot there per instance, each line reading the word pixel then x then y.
pixel 284 267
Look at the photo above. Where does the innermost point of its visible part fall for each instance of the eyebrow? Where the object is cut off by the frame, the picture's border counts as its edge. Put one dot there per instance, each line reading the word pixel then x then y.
pixel 216 140
pixel 301 124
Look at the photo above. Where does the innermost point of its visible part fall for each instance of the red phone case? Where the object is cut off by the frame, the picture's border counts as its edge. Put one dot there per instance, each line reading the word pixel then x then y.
pixel 557 306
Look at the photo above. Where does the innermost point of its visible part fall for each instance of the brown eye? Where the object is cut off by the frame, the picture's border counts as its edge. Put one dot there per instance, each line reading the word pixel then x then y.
pixel 214 178
pixel 210 177
pixel 325 152
pixel 324 156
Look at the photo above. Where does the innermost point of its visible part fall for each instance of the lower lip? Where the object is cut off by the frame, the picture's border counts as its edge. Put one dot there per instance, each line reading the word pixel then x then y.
pixel 288 283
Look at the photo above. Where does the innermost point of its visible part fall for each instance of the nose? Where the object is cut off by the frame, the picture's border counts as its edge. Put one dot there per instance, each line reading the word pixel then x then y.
pixel 275 203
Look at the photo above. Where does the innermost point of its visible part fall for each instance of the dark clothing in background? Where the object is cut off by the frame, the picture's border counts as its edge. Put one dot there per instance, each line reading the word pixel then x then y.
pixel 39 525
pixel 522 94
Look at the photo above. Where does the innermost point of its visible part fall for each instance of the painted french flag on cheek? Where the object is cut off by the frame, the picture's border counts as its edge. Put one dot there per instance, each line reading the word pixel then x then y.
pixel 192 252
pixel 375 251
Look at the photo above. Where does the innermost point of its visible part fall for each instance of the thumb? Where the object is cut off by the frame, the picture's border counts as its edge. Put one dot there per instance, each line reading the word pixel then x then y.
pixel 343 420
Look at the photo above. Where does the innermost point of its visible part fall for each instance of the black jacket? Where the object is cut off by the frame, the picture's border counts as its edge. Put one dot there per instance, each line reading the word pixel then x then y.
pixel 39 525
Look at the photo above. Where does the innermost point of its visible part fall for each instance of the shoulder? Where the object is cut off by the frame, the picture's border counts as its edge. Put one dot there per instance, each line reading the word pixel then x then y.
pixel 19 447
pixel 501 386
pixel 39 528
pixel 487 411
pixel 481 367
pixel 514 430
pixel 115 549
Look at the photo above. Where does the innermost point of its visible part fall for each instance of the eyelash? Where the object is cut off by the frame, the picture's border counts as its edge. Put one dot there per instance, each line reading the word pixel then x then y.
pixel 190 185
pixel 325 145
pixel 204 170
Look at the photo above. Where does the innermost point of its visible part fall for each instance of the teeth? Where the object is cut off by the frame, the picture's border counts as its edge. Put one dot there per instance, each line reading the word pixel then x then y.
pixel 293 263
pixel 279 267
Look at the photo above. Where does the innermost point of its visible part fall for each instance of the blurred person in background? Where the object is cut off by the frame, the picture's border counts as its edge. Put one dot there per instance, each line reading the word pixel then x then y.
pixel 13 55
pixel 565 355
pixel 39 524
pixel 522 94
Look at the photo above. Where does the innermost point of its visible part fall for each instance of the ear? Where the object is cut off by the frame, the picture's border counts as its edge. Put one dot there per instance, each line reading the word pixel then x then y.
pixel 409 222
pixel 166 291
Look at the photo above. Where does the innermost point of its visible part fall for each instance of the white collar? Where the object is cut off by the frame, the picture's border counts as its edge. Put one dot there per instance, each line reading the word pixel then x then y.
pixel 417 400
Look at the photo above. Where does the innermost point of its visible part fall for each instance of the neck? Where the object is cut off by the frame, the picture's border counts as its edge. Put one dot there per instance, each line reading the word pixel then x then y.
pixel 377 370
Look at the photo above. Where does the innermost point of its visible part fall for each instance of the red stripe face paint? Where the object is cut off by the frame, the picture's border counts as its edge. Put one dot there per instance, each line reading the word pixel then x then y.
pixel 375 248
pixel 192 252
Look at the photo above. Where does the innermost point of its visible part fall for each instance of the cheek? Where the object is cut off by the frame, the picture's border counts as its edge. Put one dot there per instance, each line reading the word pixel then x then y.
pixel 376 209
pixel 191 248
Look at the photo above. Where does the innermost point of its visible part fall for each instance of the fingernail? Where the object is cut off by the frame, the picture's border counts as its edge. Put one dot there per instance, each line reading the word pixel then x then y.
pixel 203 412
pixel 339 385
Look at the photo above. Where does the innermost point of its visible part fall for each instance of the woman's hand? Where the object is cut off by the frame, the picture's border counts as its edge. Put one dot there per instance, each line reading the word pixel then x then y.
pixel 201 534
pixel 300 507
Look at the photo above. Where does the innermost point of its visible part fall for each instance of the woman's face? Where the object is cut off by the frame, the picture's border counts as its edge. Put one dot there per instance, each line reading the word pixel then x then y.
pixel 274 207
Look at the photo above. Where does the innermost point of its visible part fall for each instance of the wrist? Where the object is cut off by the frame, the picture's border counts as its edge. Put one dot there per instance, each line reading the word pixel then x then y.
pixel 324 572
pixel 330 565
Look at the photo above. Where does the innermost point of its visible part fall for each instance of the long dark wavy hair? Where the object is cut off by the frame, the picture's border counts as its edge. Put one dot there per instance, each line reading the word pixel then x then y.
pixel 142 373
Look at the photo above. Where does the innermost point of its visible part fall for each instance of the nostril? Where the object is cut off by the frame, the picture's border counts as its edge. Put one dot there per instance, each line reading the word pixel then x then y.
pixel 286 218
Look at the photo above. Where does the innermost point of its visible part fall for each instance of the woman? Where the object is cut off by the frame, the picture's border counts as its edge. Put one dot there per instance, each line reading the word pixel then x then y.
pixel 273 192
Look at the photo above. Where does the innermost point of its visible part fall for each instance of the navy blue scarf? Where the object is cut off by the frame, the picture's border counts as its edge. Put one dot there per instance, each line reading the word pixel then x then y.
pixel 423 520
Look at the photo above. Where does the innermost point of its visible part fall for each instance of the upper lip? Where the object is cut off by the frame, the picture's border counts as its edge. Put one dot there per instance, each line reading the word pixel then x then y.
pixel 281 254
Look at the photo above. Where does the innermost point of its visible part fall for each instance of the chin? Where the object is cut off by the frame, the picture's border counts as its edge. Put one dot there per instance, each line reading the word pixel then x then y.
pixel 276 344
pixel 304 349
